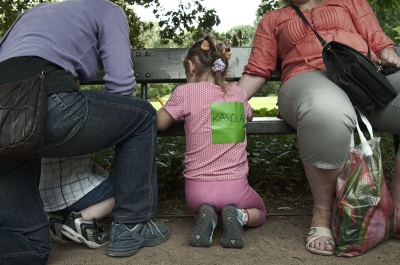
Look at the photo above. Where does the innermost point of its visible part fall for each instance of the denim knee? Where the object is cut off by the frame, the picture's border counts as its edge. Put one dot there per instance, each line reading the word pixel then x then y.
pixel 16 250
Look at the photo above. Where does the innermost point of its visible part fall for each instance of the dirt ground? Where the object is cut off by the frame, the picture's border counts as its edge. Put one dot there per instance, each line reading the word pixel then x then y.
pixel 279 241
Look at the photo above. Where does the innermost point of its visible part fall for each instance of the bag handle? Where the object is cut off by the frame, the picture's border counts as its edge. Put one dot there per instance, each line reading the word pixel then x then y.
pixel 323 42
pixel 366 148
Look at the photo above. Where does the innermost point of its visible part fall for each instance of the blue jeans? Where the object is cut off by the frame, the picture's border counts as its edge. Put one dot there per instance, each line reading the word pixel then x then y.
pixel 77 124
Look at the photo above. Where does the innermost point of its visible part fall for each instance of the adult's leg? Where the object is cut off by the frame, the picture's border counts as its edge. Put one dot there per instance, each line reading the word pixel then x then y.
pixel 94 121
pixel 24 231
pixel 16 179
pixel 129 123
pixel 385 119
pixel 324 118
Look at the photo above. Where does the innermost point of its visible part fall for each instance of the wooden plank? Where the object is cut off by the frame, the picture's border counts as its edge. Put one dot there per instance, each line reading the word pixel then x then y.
pixel 259 126
pixel 165 65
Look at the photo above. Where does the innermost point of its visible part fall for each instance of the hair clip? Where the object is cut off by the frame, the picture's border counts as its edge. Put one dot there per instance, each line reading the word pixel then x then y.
pixel 219 66
pixel 205 46
pixel 226 51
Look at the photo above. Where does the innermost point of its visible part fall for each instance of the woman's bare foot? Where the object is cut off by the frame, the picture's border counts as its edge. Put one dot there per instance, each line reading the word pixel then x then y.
pixel 321 226
pixel 319 234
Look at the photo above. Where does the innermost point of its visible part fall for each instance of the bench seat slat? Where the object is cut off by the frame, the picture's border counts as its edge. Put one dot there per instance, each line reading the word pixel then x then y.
pixel 259 126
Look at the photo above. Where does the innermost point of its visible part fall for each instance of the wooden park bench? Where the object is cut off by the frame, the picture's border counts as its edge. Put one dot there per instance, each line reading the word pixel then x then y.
pixel 165 66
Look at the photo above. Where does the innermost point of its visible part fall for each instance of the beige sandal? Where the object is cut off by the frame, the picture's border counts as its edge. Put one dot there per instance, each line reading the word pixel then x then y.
pixel 318 232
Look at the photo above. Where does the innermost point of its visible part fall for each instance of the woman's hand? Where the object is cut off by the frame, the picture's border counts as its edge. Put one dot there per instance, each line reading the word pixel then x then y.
pixel 388 58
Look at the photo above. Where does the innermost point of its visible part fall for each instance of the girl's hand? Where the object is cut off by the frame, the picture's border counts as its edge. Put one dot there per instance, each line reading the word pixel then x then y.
pixel 388 58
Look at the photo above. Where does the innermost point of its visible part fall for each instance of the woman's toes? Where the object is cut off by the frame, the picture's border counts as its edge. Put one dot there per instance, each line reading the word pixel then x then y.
pixel 329 244
pixel 323 243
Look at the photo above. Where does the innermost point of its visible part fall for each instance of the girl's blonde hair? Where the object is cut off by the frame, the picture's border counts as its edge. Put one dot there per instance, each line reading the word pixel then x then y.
pixel 205 59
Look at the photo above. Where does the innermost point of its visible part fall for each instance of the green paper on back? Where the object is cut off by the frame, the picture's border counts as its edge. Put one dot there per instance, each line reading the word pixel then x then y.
pixel 228 122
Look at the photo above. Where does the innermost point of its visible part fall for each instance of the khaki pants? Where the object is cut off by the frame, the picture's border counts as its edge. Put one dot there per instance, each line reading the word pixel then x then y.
pixel 325 118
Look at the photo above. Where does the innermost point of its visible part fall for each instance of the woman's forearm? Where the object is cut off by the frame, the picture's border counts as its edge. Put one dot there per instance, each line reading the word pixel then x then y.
pixel 251 84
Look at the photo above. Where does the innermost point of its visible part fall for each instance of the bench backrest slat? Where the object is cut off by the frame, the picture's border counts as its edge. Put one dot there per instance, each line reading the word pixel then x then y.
pixel 165 65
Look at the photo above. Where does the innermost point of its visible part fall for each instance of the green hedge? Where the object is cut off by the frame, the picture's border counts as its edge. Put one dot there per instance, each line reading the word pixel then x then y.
pixel 275 166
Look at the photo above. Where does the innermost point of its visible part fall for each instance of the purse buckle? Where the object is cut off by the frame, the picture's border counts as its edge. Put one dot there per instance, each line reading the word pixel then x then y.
pixel 378 67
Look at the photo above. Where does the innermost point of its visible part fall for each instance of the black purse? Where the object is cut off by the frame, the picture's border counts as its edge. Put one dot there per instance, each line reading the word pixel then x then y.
pixel 362 79
pixel 23 114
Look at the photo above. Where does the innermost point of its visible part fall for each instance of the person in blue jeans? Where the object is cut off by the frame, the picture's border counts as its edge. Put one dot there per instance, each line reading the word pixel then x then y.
pixel 75 37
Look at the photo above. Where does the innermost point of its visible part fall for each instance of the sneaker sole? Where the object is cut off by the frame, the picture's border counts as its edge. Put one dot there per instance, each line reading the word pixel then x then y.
pixel 59 240
pixel 201 234
pixel 121 252
pixel 78 238
pixel 129 251
pixel 232 234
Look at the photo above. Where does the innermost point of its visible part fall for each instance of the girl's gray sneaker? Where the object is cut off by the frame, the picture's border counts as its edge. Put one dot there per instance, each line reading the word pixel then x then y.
pixel 125 242
pixel 203 230
pixel 232 229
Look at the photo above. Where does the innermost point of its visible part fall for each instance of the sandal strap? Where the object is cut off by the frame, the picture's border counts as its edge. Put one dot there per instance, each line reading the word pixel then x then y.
pixel 320 232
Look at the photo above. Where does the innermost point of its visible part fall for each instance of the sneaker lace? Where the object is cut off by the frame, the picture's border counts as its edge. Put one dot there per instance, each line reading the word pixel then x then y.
pixel 152 224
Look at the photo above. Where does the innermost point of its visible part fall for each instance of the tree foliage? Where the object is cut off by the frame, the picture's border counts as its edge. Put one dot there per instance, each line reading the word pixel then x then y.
pixel 240 35
pixel 174 23
pixel 11 9
pixel 386 11
pixel 193 17
pixel 385 4
pixel 268 5
pixel 389 19
pixel 182 26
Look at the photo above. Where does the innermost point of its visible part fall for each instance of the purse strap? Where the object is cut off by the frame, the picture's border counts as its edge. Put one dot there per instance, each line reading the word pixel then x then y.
pixel 323 42
pixel 301 15
pixel 8 31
